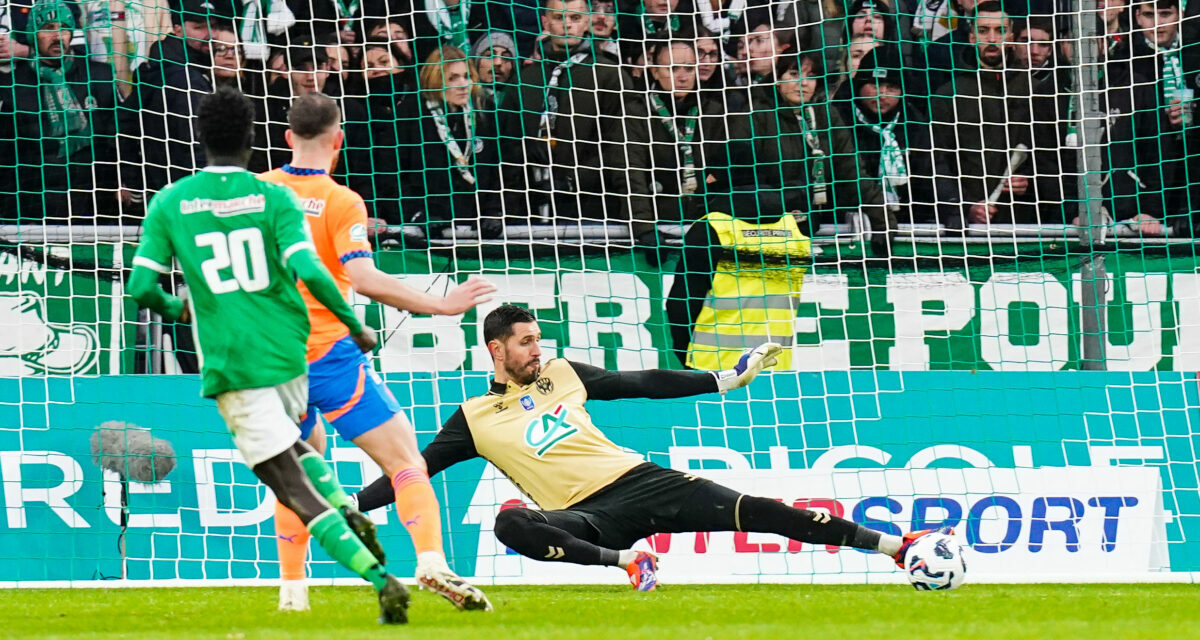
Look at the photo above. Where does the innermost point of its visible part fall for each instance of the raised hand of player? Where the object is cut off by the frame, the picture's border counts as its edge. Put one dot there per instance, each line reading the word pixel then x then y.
pixel 752 362
pixel 365 339
pixel 465 296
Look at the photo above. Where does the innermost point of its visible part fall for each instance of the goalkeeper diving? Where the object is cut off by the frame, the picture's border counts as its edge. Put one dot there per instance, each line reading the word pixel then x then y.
pixel 595 499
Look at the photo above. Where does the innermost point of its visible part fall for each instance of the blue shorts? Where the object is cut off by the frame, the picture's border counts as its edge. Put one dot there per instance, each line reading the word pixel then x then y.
pixel 344 387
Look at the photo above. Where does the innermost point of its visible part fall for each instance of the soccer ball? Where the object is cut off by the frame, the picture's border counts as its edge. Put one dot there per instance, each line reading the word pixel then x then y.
pixel 935 561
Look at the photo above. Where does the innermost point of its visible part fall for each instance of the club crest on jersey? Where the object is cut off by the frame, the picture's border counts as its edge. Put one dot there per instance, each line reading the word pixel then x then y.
pixel 544 385
pixel 527 403
pixel 549 429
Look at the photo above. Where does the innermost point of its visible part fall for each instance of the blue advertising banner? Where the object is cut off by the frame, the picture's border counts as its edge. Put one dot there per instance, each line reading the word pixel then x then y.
pixel 1060 475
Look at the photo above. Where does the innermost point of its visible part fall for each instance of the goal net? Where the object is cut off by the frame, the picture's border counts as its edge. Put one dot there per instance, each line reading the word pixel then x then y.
pixel 969 224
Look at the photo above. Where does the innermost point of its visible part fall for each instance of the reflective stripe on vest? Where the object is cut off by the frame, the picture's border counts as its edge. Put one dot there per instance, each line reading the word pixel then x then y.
pixel 752 297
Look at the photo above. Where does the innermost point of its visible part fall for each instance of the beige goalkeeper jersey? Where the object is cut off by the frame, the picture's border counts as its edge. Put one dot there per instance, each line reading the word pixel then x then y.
pixel 541 436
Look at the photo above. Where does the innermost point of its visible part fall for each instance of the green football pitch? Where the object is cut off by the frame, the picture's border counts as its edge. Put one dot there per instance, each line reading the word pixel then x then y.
pixel 545 613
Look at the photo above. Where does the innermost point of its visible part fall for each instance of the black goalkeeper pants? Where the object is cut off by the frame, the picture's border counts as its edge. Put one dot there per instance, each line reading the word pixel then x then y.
pixel 650 499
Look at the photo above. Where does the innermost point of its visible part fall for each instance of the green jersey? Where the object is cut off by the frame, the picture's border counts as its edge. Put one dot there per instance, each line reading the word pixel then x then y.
pixel 232 235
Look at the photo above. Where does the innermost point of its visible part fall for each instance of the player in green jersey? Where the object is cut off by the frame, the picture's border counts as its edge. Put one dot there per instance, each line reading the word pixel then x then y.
pixel 238 241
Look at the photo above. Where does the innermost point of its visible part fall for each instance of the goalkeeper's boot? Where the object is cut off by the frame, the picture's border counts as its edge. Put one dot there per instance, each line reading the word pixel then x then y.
pixel 393 602
pixel 643 571
pixel 362 527
pixel 911 537
pixel 293 595
pixel 434 575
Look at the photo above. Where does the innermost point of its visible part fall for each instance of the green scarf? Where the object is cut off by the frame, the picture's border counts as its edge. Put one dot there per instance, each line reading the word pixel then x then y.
pixel 66 119
pixel 893 170
pixel 652 27
pixel 451 22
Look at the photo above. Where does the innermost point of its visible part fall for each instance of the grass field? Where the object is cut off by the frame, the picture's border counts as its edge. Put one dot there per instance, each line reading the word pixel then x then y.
pixel 544 613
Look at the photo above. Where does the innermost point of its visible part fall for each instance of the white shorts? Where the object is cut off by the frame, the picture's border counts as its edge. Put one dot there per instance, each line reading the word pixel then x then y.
pixel 264 421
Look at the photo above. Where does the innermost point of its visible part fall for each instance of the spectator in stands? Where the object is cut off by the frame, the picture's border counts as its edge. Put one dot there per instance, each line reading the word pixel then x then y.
pixel 644 22
pixel 867 18
pixel 794 150
pixel 716 96
pixel 563 128
pixel 441 158
pixel 170 148
pixel 58 127
pixel 604 27
pixel 1114 21
pixel 982 116
pixel 388 86
pixel 765 42
pixel 1034 48
pixel 1132 179
pixel 186 46
pixel 722 19
pixel 395 30
pixel 229 65
pixel 344 17
pixel 677 168
pixel 1052 107
pixel 307 72
pixel 456 23
pixel 341 65
pixel 494 56
pixel 892 142
pixel 1156 52
pixel 857 49
pixel 952 52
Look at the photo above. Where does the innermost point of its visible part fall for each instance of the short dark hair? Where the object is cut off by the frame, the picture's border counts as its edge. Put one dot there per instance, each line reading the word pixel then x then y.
pixel 542 4
pixel 225 121
pixel 313 114
pixel 1158 4
pixel 498 325
pixel 988 6
pixel 665 44
pixel 1041 23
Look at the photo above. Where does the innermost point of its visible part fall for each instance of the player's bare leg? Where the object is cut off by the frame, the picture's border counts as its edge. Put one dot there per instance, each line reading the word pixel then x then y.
pixel 393 446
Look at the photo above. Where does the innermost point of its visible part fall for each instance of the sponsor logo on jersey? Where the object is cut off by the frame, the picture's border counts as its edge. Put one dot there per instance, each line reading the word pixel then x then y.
pixel 549 429
pixel 358 233
pixel 500 406
pixel 527 402
pixel 313 206
pixel 224 208
pixel 544 385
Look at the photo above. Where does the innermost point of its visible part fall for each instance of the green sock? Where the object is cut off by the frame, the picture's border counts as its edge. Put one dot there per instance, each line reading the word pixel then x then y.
pixel 336 538
pixel 323 478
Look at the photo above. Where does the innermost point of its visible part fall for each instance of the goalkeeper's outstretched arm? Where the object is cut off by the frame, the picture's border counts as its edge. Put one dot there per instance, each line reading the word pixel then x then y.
pixel 602 384
pixel 453 444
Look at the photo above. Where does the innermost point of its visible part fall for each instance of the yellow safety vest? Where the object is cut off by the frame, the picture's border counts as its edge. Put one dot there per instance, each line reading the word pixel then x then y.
pixel 751 297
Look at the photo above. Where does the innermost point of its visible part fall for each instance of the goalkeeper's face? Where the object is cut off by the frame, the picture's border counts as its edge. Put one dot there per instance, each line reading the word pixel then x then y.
pixel 520 354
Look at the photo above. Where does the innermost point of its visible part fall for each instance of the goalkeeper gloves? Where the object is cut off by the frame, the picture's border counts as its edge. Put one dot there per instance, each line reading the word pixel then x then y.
pixel 752 362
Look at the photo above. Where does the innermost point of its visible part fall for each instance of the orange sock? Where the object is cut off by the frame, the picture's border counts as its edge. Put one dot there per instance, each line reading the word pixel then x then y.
pixel 291 538
pixel 418 509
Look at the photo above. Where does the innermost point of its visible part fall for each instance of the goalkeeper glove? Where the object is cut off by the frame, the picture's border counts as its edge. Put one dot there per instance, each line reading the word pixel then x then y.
pixel 752 362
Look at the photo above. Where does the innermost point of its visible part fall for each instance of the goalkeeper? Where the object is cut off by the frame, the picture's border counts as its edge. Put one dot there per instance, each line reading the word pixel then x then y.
pixel 597 499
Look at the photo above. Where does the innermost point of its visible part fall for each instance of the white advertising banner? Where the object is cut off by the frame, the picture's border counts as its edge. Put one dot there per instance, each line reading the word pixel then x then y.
pixel 1028 524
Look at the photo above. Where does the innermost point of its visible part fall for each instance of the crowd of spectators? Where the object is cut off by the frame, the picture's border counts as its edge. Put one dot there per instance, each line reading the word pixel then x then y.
pixel 489 113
